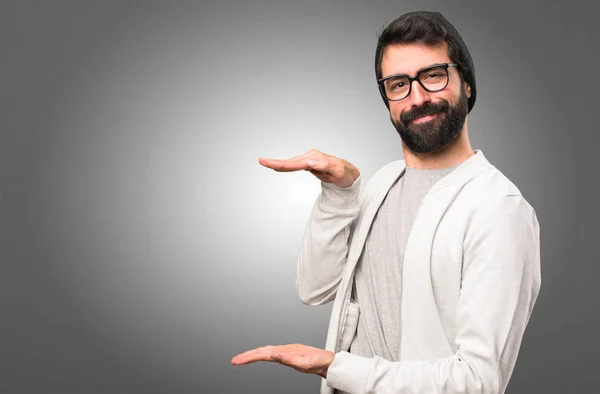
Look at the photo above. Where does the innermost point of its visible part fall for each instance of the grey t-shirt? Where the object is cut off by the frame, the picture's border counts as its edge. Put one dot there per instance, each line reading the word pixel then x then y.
pixel 378 279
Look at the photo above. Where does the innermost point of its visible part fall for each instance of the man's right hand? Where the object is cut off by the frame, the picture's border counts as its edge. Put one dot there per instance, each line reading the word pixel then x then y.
pixel 327 168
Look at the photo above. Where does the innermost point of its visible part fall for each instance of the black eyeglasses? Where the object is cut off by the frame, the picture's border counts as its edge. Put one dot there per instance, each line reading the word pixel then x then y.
pixel 432 78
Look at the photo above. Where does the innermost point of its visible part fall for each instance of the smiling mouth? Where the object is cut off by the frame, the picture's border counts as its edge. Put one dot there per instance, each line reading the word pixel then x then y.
pixel 425 118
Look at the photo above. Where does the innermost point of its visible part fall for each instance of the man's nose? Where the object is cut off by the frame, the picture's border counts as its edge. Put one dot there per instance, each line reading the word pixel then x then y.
pixel 418 95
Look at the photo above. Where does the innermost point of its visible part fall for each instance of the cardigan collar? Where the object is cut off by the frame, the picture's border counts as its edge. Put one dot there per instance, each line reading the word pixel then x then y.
pixel 465 171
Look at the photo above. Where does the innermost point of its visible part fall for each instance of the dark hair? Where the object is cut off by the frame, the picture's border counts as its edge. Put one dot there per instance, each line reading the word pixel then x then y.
pixel 429 28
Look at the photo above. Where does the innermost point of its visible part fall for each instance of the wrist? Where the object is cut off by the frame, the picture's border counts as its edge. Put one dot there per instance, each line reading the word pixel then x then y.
pixel 323 370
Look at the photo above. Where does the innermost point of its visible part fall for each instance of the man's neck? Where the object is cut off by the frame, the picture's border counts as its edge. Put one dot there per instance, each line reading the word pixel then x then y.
pixel 455 153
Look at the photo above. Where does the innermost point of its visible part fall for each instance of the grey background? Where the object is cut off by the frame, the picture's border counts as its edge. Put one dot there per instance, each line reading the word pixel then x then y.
pixel 142 245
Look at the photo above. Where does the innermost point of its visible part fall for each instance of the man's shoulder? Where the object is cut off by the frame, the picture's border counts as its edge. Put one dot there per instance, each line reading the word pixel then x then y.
pixel 491 190
pixel 494 182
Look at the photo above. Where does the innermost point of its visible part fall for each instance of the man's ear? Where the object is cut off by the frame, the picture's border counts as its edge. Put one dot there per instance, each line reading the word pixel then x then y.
pixel 467 90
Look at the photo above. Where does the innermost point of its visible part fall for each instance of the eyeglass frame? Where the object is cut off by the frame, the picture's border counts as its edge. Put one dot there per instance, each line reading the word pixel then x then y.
pixel 446 66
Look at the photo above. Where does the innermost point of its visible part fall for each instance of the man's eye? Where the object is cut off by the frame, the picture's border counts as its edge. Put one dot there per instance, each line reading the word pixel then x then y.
pixel 397 85
pixel 434 75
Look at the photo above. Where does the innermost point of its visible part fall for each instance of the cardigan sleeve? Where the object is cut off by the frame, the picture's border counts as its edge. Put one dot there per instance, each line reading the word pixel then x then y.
pixel 499 286
pixel 325 244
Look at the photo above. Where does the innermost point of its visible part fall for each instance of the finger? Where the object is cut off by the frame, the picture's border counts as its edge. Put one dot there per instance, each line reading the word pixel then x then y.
pixel 302 156
pixel 249 353
pixel 256 350
pixel 310 153
pixel 284 165
pixel 251 356
pixel 265 161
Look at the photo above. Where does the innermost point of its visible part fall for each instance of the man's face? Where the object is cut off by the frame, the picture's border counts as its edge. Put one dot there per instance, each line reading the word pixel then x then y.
pixel 426 121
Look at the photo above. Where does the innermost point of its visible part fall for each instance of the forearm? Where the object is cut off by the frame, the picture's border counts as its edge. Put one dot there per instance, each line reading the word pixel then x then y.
pixel 325 244
pixel 360 375
pixel 479 366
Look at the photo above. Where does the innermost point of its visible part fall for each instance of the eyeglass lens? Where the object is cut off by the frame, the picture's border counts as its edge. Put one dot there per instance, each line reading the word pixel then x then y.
pixel 432 79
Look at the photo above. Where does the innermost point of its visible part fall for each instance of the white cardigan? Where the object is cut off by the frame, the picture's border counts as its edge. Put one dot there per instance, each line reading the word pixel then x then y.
pixel 471 275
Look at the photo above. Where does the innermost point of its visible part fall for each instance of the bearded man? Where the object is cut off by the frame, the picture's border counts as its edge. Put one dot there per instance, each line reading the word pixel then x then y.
pixel 433 266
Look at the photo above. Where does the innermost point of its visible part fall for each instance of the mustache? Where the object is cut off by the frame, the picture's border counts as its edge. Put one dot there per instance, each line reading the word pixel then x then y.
pixel 424 110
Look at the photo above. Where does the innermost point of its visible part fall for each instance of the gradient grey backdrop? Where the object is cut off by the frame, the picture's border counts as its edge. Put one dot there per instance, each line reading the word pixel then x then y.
pixel 142 245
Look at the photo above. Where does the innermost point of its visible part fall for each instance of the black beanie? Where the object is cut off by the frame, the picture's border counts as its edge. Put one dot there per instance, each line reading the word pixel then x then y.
pixel 464 60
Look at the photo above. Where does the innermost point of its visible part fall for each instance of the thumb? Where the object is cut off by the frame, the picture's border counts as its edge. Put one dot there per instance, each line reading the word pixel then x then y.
pixel 318 164
pixel 283 359
pixel 276 356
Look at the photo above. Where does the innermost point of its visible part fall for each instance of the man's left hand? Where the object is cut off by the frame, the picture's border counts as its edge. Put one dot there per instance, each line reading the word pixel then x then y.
pixel 302 358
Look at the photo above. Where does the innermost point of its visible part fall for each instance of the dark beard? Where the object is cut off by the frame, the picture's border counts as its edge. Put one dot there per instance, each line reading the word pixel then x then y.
pixel 437 133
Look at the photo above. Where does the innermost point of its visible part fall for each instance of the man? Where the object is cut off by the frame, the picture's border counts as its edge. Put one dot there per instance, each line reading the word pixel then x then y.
pixel 435 266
